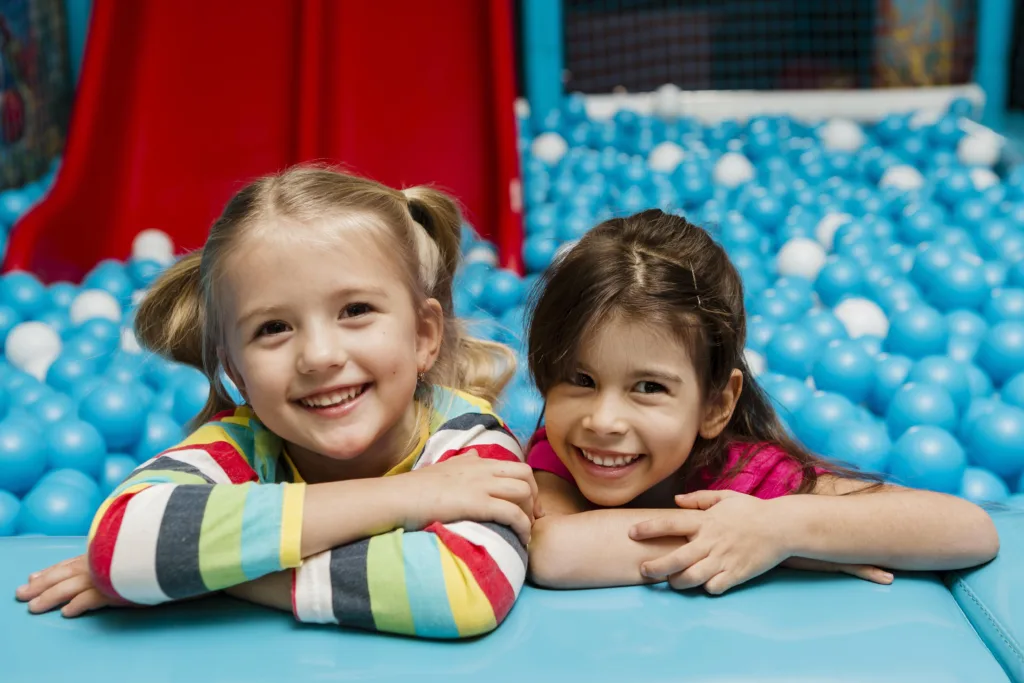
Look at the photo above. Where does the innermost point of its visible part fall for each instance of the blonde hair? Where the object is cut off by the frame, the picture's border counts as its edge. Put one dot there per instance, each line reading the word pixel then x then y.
pixel 179 317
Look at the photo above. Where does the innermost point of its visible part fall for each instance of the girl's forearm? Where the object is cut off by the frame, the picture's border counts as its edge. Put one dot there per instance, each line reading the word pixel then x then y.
pixel 593 549
pixel 895 528
pixel 338 513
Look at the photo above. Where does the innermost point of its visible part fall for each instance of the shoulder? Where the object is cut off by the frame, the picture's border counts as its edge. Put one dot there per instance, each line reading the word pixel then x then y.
pixel 236 431
pixel 763 470
pixel 460 422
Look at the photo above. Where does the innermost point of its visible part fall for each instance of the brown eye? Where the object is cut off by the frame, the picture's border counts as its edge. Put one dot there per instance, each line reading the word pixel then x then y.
pixel 648 387
pixel 355 310
pixel 582 379
pixel 271 328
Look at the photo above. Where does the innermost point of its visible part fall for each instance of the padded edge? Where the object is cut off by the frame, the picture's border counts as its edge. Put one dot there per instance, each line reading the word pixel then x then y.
pixel 992 596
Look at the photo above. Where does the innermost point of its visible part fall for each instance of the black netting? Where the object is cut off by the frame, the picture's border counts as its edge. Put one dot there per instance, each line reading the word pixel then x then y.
pixel 767 44
pixel 35 88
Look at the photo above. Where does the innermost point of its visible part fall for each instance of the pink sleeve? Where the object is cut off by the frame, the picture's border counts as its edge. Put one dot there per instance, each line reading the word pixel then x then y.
pixel 541 456
pixel 769 473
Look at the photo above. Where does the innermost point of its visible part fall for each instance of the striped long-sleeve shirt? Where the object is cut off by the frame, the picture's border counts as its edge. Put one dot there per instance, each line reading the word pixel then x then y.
pixel 225 507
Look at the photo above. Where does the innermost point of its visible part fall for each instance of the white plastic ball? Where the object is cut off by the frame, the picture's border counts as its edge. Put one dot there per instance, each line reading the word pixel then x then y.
pixel 801 256
pixel 481 254
pixel 549 148
pixel 138 295
pixel 923 118
pixel 666 102
pixel 903 177
pixel 94 303
pixel 842 135
pixel 825 231
pixel 154 245
pixel 755 362
pixel 983 178
pixel 732 170
pixel 129 342
pixel 862 316
pixel 665 157
pixel 32 347
pixel 980 148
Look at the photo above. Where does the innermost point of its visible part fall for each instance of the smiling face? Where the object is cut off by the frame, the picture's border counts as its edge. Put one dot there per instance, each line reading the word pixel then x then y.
pixel 629 417
pixel 325 340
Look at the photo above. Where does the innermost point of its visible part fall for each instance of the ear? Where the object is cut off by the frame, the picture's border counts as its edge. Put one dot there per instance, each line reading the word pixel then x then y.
pixel 232 373
pixel 429 333
pixel 719 411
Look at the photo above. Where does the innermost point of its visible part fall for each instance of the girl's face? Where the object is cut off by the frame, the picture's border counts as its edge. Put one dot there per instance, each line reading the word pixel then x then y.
pixel 630 416
pixel 325 342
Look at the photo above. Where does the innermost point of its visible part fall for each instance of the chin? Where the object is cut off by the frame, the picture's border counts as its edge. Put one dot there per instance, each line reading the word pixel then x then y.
pixel 608 498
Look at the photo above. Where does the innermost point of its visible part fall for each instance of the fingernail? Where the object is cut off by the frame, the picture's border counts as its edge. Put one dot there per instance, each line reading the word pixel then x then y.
pixel 33 577
pixel 888 576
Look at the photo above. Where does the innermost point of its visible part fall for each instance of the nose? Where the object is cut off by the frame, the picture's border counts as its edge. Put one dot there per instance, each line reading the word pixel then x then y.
pixel 605 415
pixel 320 349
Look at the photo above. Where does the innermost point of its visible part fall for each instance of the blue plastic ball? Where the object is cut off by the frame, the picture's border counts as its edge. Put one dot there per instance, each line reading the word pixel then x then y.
pixel 920 404
pixel 864 446
pixel 503 290
pixel 891 372
pixel 56 509
pixel 9 508
pixel 22 455
pixel 788 395
pixel 1001 353
pixel 1013 391
pixel 538 252
pixel 69 370
pixel 522 408
pixel 1005 304
pixel 777 306
pixel 978 381
pixel 144 271
pixel 995 440
pixel 966 323
pixel 116 469
pixel 981 486
pixel 24 293
pixel 110 276
pixel 928 457
pixel 191 390
pixel 917 332
pixel 845 368
pixel 61 294
pixel 74 444
pixel 824 324
pixel 946 373
pixel 820 415
pixel 54 407
pixel 793 351
pixel 841 277
pixel 759 332
pixel 115 411
pixel 160 433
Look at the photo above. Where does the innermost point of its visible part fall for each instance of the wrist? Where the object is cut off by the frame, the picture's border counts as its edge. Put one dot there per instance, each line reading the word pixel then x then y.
pixel 789 520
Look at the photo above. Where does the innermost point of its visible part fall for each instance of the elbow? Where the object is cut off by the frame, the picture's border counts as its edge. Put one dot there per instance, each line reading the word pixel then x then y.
pixel 547 567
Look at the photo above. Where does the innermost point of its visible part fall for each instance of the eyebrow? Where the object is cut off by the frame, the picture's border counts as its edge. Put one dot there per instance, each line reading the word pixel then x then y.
pixel 342 293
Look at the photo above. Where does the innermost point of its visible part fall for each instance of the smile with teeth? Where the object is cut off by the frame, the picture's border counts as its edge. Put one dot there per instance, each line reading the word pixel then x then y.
pixel 620 460
pixel 334 398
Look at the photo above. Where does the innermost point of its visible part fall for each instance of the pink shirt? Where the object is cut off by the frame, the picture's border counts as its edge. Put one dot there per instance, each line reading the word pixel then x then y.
pixel 770 473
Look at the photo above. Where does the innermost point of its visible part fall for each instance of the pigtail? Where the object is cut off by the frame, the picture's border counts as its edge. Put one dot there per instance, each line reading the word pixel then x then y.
pixel 171 321
pixel 476 366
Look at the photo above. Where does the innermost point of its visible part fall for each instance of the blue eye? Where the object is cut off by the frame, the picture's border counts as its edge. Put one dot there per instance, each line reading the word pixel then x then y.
pixel 648 387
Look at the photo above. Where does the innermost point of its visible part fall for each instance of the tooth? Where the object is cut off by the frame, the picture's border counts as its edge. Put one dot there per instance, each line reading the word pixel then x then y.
pixel 620 461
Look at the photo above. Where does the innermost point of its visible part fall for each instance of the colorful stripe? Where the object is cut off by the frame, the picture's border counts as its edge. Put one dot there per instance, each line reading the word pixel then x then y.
pixel 350 594
pixel 385 572
pixel 424 580
pixel 133 566
pixel 177 546
pixel 469 605
pixel 488 575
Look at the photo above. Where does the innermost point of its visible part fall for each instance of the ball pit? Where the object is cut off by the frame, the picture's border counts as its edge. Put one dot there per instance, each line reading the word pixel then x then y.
pixel 883 267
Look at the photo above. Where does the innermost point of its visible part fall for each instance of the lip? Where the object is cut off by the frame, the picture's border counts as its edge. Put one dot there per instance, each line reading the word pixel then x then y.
pixel 600 472
pixel 338 410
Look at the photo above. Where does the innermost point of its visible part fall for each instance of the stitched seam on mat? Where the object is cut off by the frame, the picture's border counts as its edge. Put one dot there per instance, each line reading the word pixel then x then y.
pixel 1006 637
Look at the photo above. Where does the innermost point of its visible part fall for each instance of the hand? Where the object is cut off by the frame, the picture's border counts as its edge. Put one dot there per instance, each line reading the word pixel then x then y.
pixel 730 538
pixel 468 487
pixel 65 582
pixel 861 571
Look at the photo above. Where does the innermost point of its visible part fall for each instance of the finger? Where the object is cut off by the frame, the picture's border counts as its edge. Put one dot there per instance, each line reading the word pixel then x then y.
pixel 515 491
pixel 721 582
pixel 696 575
pixel 59 594
pixel 46 579
pixel 702 500
pixel 512 516
pixel 868 573
pixel 88 601
pixel 685 524
pixel 677 561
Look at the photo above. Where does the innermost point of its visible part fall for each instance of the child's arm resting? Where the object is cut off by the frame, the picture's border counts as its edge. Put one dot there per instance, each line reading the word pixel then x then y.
pixel 892 527
pixel 452 580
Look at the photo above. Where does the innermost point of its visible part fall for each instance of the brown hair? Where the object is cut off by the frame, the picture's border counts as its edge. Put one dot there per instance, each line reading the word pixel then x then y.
pixel 661 269
pixel 179 318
